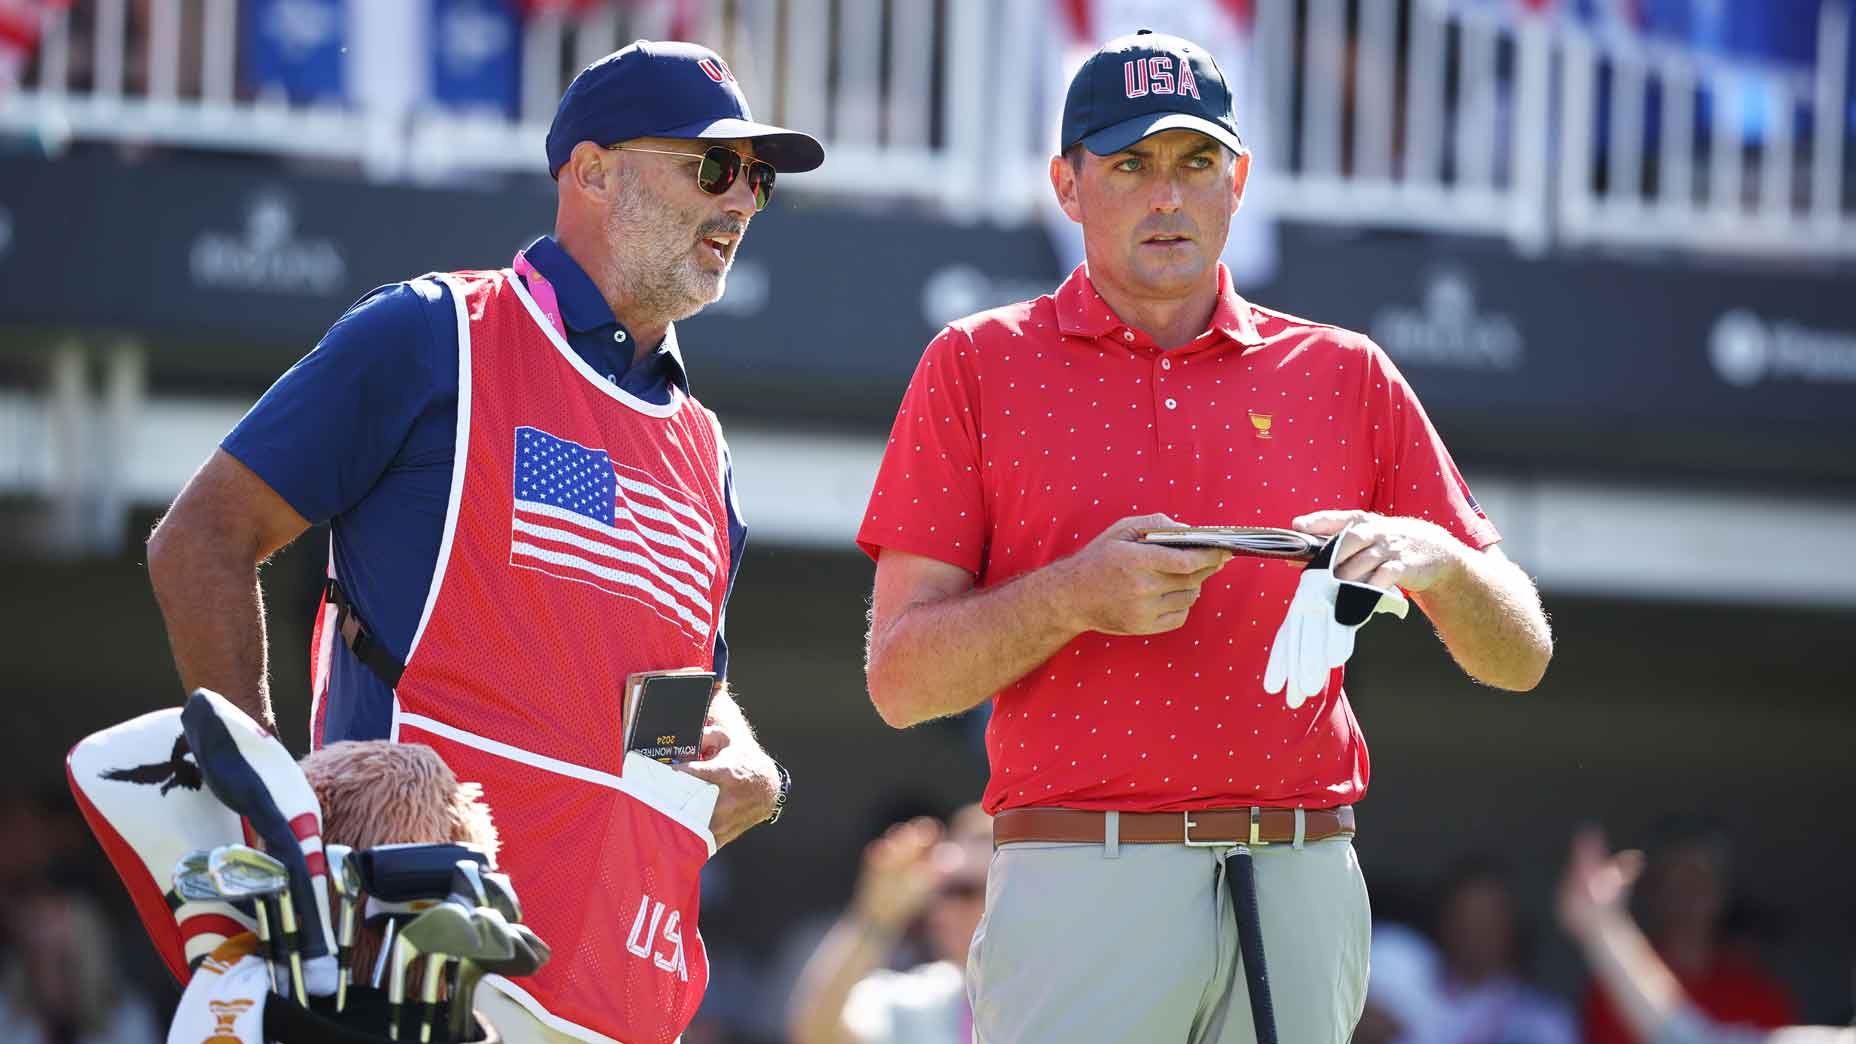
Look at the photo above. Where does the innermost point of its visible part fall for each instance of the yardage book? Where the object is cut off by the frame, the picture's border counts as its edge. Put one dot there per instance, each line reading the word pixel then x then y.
pixel 665 712
pixel 1254 541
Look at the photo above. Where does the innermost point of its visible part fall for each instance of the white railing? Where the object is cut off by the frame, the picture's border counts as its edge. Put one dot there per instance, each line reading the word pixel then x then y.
pixel 1379 139
pixel 1746 177
pixel 1446 115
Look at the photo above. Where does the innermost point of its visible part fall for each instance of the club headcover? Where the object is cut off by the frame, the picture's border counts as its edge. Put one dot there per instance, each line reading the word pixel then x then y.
pixel 1317 632
pixel 141 793
pixel 253 774
pixel 225 1000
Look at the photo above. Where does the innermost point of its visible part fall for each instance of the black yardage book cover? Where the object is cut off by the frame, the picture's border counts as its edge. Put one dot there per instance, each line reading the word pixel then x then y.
pixel 665 712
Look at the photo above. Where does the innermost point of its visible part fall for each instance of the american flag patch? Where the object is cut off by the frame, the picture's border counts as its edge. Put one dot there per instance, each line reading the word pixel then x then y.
pixel 579 516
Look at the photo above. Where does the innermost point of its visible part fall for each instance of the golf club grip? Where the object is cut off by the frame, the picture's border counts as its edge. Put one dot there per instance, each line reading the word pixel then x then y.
pixel 1241 876
pixel 400 873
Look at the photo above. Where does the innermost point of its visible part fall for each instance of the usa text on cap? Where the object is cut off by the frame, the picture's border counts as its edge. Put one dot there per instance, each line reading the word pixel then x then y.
pixel 1143 84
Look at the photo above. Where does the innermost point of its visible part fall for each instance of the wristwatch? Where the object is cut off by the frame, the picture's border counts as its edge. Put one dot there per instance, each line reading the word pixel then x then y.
pixel 779 800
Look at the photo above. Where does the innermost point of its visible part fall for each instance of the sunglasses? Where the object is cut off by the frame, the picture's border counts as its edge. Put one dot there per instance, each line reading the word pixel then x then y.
pixel 717 169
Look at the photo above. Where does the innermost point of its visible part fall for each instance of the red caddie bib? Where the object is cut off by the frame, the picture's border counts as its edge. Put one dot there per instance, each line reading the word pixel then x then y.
pixel 586 540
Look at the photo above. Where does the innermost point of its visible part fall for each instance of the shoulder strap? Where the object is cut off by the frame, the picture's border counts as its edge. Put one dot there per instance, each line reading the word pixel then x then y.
pixel 360 640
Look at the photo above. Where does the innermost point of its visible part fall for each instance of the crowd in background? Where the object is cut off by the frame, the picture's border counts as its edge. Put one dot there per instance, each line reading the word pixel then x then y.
pixel 1452 963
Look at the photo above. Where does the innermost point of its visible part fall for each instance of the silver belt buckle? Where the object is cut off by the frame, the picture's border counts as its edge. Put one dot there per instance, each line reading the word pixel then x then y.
pixel 1186 837
pixel 1256 831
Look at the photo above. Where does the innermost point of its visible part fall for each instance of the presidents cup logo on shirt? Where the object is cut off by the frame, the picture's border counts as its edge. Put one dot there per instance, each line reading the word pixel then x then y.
pixel 268 254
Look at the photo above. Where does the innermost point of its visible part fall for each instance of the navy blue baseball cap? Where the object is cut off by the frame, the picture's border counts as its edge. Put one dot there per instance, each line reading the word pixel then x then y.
pixel 1143 84
pixel 666 89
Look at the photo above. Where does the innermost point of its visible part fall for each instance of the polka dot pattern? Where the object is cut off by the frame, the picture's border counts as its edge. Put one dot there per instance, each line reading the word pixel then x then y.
pixel 1029 429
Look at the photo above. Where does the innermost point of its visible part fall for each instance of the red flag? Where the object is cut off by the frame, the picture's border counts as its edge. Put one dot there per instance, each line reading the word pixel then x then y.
pixel 20 24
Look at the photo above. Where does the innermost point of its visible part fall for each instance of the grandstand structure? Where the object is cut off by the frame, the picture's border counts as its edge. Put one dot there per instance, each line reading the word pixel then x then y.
pixel 1442 115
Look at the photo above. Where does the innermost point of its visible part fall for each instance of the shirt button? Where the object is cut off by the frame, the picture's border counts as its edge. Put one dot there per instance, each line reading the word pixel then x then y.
pixel 1127 335
pixel 1166 364
pixel 1172 404
pixel 619 336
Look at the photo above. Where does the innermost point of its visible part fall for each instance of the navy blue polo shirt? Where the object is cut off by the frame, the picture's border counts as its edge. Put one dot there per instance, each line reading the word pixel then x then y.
pixel 361 434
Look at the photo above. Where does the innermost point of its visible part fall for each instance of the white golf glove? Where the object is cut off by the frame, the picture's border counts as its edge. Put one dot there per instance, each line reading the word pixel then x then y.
pixel 1316 635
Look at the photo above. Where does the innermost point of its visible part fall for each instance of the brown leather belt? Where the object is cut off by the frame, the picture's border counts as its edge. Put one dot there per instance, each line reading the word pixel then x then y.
pixel 1221 827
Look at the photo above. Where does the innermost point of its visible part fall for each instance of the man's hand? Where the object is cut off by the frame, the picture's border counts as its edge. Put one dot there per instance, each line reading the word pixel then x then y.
pixel 733 760
pixel 1386 551
pixel 1596 885
pixel 749 784
pixel 899 876
pixel 1117 585
pixel 1483 605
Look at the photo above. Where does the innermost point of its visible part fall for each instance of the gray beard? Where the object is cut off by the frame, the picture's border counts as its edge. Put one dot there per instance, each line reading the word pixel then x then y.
pixel 658 280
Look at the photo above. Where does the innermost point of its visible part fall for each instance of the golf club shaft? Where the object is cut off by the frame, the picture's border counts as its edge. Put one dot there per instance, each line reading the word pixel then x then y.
pixel 293 947
pixel 464 997
pixel 266 944
pixel 344 954
pixel 428 1000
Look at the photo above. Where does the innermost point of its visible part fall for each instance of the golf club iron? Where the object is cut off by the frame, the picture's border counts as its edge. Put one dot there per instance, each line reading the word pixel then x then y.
pixel 530 954
pixel 193 882
pixel 445 928
pixel 345 879
pixel 502 893
pixel 240 872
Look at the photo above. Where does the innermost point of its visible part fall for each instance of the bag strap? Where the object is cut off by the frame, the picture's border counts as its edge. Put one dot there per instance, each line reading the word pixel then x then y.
pixel 361 641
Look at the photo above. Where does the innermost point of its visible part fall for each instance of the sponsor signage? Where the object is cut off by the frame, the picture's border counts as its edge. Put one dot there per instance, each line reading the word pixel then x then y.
pixel 267 255
pixel 1577 342
pixel 828 308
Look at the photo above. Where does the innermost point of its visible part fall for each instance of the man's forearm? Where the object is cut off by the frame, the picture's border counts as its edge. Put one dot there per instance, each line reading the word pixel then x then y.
pixel 853 948
pixel 944 657
pixel 214 611
pixel 1633 976
pixel 1491 620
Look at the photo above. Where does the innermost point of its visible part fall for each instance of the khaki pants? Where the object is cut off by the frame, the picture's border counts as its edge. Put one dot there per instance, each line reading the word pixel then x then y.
pixel 1082 944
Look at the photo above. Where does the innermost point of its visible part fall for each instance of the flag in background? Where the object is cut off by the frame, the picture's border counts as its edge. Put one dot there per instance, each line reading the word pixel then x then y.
pixel 21 21
pixel 294 49
pixel 476 55
pixel 457 55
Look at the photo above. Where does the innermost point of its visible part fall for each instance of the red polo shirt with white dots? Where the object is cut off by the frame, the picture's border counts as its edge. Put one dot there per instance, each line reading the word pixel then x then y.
pixel 1029 429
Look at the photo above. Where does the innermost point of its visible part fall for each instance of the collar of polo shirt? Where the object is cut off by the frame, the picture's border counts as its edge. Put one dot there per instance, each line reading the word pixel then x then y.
pixel 1081 311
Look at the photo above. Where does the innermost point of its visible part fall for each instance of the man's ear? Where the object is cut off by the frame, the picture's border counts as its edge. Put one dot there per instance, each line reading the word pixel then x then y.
pixel 1240 179
pixel 1063 183
pixel 590 170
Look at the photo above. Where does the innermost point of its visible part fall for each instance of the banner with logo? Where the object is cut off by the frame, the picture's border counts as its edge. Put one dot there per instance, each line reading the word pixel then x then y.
pixel 827 309
pixel 1582 341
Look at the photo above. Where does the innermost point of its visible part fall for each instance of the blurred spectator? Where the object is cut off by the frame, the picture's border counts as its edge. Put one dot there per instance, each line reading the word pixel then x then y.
pixel 1470 988
pixel 63 983
pixel 846 994
pixel 1648 998
pixel 39 830
pixel 1685 888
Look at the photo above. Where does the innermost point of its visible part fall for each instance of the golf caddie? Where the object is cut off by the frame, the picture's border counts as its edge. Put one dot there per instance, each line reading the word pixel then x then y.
pixel 526 507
